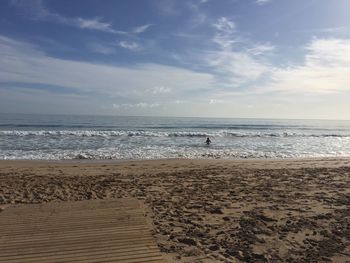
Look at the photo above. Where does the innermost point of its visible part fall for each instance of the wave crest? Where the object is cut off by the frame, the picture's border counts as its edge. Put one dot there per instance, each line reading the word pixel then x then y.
pixel 143 133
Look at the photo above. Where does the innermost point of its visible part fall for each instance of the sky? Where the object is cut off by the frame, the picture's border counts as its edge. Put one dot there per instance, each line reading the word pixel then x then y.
pixel 204 58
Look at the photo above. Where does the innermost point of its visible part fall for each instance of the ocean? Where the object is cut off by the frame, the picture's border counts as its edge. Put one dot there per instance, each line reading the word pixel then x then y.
pixel 63 137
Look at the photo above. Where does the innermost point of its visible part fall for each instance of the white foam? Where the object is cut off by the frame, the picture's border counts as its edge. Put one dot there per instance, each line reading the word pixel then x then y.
pixel 143 133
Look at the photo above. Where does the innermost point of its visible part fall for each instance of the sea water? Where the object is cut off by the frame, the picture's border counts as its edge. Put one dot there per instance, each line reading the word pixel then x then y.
pixel 63 137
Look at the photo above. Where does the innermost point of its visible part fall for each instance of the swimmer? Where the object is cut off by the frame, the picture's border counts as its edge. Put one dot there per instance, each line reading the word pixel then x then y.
pixel 208 141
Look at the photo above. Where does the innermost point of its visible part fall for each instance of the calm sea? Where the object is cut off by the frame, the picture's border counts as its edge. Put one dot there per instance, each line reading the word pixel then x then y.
pixel 59 137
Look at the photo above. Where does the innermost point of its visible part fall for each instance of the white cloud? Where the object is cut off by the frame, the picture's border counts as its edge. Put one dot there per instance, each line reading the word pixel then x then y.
pixel 131 45
pixel 215 101
pixel 37 11
pixel 135 105
pixel 234 66
pixel 84 23
pixel 225 25
pixel 160 90
pixel 262 2
pixel 112 47
pixel 141 29
pixel 261 49
pixel 329 52
pixel 326 69
pixel 226 35
pixel 23 63
pixel 95 24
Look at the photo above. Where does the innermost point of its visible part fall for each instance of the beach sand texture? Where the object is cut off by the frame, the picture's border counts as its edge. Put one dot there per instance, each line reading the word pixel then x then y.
pixel 210 210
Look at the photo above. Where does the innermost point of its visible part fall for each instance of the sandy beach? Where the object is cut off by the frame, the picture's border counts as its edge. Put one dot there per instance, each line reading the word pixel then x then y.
pixel 210 210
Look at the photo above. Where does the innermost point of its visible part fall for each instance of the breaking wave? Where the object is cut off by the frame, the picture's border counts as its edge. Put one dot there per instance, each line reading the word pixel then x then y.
pixel 143 133
pixel 51 137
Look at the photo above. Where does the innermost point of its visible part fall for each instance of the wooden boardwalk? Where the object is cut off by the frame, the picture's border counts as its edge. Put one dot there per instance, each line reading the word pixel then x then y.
pixel 84 231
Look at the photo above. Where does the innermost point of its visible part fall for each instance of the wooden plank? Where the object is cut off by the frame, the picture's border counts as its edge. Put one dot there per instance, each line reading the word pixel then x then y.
pixel 83 231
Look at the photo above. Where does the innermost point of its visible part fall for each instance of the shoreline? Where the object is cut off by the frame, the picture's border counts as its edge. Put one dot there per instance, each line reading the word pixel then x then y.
pixel 178 159
pixel 265 210
pixel 323 161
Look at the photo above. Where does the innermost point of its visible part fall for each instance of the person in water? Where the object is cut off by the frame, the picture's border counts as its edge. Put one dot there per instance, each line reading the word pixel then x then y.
pixel 208 141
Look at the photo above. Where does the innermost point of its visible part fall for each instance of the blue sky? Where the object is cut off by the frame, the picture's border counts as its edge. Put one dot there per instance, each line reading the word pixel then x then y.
pixel 222 58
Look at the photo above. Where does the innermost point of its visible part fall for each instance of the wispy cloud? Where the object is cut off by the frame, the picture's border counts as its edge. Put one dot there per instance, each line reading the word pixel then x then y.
pixel 23 63
pixel 160 90
pixel 224 24
pixel 234 65
pixel 262 2
pixel 236 68
pixel 215 101
pixel 261 49
pixel 141 29
pixel 94 24
pixel 225 35
pixel 111 47
pixel 36 10
pixel 141 105
pixel 130 45
pixel 326 69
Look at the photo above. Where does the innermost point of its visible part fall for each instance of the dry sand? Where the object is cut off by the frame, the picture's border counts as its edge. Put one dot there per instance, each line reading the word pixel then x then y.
pixel 211 210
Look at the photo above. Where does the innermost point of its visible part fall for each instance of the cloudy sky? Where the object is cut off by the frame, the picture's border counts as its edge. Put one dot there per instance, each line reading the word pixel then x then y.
pixel 227 58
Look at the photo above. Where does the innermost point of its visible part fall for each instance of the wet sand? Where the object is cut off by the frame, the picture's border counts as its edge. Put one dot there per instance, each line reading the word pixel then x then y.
pixel 211 210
